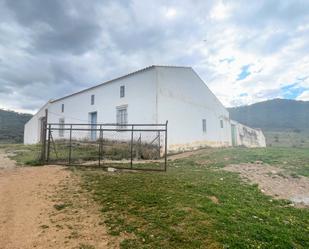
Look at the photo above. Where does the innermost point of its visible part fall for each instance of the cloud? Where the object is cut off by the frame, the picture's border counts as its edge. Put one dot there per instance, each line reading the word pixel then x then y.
pixel 244 52
pixel 56 26
pixel 304 96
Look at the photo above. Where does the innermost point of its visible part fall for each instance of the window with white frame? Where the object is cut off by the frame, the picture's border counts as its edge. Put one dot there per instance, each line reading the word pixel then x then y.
pixel 61 127
pixel 122 91
pixel 204 125
pixel 221 123
pixel 122 116
pixel 92 99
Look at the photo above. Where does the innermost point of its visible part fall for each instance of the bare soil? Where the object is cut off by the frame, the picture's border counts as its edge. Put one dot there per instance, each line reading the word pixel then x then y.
pixel 275 181
pixel 185 154
pixel 44 207
pixel 5 162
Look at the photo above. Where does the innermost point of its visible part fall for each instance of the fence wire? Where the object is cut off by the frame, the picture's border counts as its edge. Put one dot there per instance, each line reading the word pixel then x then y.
pixel 133 146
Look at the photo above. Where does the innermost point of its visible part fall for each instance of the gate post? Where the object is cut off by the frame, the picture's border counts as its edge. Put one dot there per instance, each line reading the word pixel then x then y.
pixel 165 156
pixel 132 146
pixel 48 143
pixel 159 145
pixel 100 144
pixel 43 138
pixel 70 148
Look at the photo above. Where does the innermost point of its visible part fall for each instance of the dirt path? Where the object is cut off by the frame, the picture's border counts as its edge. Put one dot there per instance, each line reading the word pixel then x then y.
pixel 275 182
pixel 5 162
pixel 186 154
pixel 38 211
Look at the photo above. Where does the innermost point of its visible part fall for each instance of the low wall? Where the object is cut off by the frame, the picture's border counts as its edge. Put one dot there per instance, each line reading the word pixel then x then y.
pixel 247 136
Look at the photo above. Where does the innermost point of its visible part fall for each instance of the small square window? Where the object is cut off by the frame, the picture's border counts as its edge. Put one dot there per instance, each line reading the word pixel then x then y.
pixel 204 125
pixel 221 123
pixel 62 108
pixel 122 91
pixel 92 99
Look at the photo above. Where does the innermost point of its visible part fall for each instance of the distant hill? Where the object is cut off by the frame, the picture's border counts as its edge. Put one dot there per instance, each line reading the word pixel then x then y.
pixel 276 114
pixel 284 122
pixel 12 126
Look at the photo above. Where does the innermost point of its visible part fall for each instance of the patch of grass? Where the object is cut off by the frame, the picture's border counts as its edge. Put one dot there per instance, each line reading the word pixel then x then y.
pixel 174 209
pixel 82 151
pixel 295 160
pixel 288 138
pixel 24 154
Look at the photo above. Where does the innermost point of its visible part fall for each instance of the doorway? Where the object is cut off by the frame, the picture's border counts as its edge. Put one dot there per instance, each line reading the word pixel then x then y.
pixel 93 122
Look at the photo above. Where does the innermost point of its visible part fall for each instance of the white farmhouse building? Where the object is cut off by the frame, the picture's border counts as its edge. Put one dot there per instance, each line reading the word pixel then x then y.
pixel 154 94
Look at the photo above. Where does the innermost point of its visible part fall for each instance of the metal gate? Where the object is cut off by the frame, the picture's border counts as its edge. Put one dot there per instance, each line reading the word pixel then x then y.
pixel 122 146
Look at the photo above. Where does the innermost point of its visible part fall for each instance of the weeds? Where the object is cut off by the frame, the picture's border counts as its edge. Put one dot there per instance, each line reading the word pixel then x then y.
pixel 177 209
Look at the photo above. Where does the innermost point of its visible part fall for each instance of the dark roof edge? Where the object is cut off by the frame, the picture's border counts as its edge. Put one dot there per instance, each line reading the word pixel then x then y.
pixel 118 78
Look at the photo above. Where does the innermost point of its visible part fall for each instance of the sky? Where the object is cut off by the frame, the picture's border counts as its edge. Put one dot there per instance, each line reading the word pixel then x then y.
pixel 245 51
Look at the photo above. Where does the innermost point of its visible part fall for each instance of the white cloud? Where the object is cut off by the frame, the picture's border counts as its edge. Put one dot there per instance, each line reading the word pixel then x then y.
pixel 170 13
pixel 304 96
pixel 220 11
pixel 98 41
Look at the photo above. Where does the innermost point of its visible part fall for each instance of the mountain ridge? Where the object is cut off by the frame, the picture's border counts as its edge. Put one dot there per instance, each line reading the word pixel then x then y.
pixel 275 114
pixel 12 126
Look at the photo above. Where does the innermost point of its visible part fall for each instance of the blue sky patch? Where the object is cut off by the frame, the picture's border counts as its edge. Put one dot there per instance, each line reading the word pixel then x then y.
pixel 292 91
pixel 244 72
pixel 243 95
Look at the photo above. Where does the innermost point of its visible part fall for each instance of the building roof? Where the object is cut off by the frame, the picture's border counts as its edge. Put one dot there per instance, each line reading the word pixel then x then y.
pixel 118 78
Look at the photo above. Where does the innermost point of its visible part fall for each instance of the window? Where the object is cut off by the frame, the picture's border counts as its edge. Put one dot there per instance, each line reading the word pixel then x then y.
pixel 61 127
pixel 122 116
pixel 62 108
pixel 92 99
pixel 221 123
pixel 122 91
pixel 204 125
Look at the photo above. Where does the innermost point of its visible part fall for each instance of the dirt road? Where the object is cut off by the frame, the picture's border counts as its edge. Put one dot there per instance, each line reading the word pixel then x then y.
pixel 37 210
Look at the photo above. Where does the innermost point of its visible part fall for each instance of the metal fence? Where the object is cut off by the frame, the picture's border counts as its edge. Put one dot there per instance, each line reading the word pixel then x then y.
pixel 129 146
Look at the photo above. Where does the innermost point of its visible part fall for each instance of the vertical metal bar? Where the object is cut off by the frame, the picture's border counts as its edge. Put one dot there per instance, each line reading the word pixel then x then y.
pixel 70 148
pixel 165 158
pixel 100 145
pixel 43 138
pixel 46 122
pixel 43 142
pixel 159 137
pixel 48 144
pixel 140 146
pixel 132 146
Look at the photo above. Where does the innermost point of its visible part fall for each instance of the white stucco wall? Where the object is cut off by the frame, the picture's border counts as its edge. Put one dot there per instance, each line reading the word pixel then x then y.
pixel 248 137
pixel 184 100
pixel 140 97
pixel 32 130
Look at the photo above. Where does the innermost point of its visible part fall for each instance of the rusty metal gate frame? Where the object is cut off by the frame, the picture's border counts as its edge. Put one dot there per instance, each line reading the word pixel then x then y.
pixel 49 141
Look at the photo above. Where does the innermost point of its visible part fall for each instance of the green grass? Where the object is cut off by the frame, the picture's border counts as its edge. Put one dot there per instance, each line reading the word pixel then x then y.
pixel 295 160
pixel 81 152
pixel 288 138
pixel 175 210
pixel 23 154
